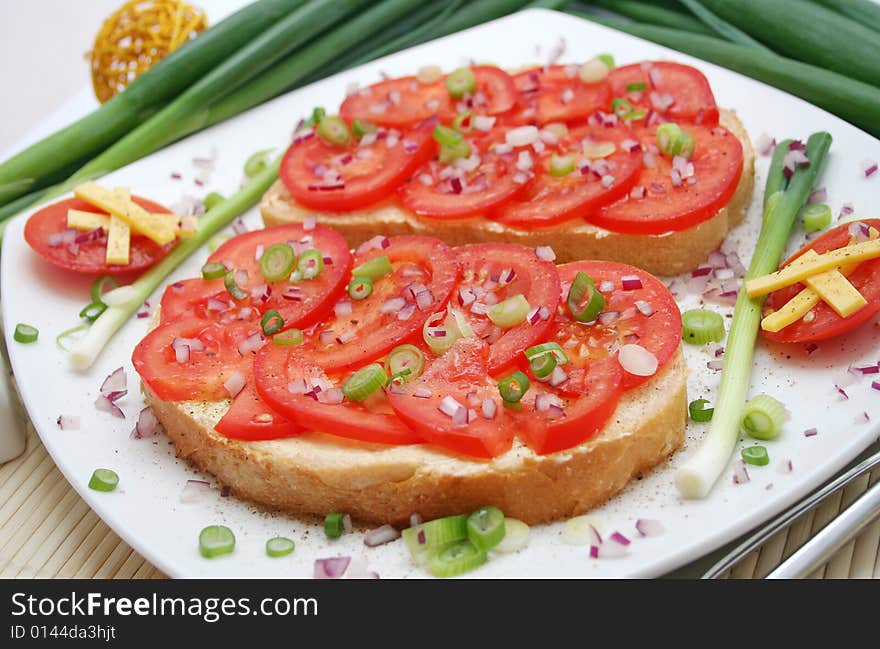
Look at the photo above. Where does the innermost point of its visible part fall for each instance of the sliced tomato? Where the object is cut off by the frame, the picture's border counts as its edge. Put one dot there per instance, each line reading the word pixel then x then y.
pixel 300 304
pixel 337 178
pixel 250 418
pixel 278 370
pixel 556 94
pixel 676 91
pixel 826 323
pixel 204 370
pixel 664 207
pixel 89 256
pixel 362 330
pixel 461 374
pixel 405 101
pixel 623 321
pixel 493 272
pixel 552 199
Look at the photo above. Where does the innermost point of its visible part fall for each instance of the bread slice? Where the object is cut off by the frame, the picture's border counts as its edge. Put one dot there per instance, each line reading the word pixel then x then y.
pixel 318 473
pixel 667 254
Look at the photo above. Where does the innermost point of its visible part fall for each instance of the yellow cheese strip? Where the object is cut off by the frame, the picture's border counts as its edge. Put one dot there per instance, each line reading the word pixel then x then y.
pixel 800 269
pixel 118 241
pixel 79 220
pixel 836 291
pixel 159 228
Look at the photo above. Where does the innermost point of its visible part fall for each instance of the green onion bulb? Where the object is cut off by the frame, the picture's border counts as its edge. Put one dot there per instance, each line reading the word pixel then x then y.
pixel 24 333
pixel 510 312
pixel 763 417
pixel 103 480
pixel 334 130
pixel 374 269
pixel 461 82
pixel 700 326
pixel 817 216
pixel 364 382
pixel 277 262
pixel 215 541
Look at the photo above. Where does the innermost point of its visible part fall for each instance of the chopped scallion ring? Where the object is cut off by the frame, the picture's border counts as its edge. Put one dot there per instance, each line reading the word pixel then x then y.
pixel 456 559
pixel 463 122
pixel 334 525
pixel 699 412
pixel 461 82
pixel 607 59
pixel 98 288
pixel 585 302
pixel 212 200
pixel 700 326
pixel 24 333
pixel 289 338
pixel 334 130
pixel 364 382
pixel 93 311
pixel 103 480
pixel 756 455
pixel 373 269
pixel 562 165
pixel 633 115
pixel 514 387
pixel 620 106
pixel 817 216
pixel 402 377
pixel 547 348
pixel 485 528
pixel 672 141
pixel 763 417
pixel 360 288
pixel 256 163
pixel 446 136
pixel 215 541
pixel 232 286
pixel 636 87
pixel 407 358
pixel 277 262
pixel 279 546
pixel 213 270
pixel 543 365
pixel 310 264
pixel 451 153
pixel 360 128
pixel 511 312
pixel 272 322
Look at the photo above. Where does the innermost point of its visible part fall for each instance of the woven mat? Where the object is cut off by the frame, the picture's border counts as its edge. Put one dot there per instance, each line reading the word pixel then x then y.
pixel 47 530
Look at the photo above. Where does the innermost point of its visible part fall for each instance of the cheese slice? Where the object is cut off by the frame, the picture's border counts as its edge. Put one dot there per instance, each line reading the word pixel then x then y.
pixel 159 228
pixel 118 242
pixel 800 269
pixel 836 290
pixel 80 220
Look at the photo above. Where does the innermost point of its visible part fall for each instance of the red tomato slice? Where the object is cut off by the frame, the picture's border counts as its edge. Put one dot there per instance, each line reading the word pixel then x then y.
pixel 556 94
pixel 551 199
pixel 685 87
pixel 659 333
pixel 826 323
pixel 493 272
pixel 462 374
pixel 391 314
pixel 336 178
pixel 280 369
pixel 211 361
pixel 663 207
pixel 250 418
pixel 89 256
pixel 404 102
pixel 300 304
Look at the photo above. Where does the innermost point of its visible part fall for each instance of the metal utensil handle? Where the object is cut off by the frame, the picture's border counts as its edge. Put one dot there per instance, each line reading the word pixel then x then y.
pixel 830 538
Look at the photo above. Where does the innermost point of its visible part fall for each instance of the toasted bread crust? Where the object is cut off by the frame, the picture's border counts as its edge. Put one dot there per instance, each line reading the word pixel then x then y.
pixel 667 254
pixel 317 473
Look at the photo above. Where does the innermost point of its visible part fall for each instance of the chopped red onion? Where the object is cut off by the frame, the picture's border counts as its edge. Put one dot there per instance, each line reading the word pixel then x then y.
pixel 649 527
pixel 423 392
pixel 740 475
pixel 608 318
pixel 293 293
pixel 234 384
pixel 147 425
pixel 521 136
pixel 637 360
pixel 637 192
pixel 608 550
pixel 381 536
pixel 392 305
pixel 195 491
pixel 105 404
pixel 607 181
pixel 483 123
pixel 327 337
pixel 489 408
pixel 415 519
pixel 818 196
pixel 251 344
pixel 346 336
pixel 841 392
pixel 617 537
pixel 786 466
pixel 846 209
pixel 811 347
pixel 67 422
pixel 183 346
pixel 661 101
pixel 765 144
pixel 449 406
pixel 863 418
pixel 644 308
pixel 715 365
pixel 811 432
pixel 331 568
pixel 875 385
pixel 867 369
pixel 343 308
pixel 630 282
pixel 558 377
pixel 869 168
pixel 115 382
pixel 545 253
pixel 298 386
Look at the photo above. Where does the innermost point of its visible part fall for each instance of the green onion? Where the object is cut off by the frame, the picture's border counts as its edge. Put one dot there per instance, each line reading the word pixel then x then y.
pixel 698 474
pixel 318 113
pixel 763 417
pixel 511 312
pixel 722 27
pixel 93 311
pixel 215 541
pixel 454 326
pixel 634 115
pixel 621 106
pixel 98 287
pixel 364 382
pixel 645 12
pixel 562 165
pixel 289 338
pixel 699 412
pixel 514 387
pixel 446 135
pixel 360 128
pixel 460 119
pixel 24 333
pixel 865 12
pixel 67 333
pixel 636 87
pixel 485 528
pixel 667 137
pixel 310 264
pixel 450 153
pixel 256 163
pixel 232 286
pixel 458 558
pixel 543 365
pixel 685 145
pixel 103 480
pixel 584 301
pixel 218 240
pixel 756 455
pixel 271 322
pixel 334 131
pixel 212 200
pixel 699 326
pixel 279 546
pixel 547 349
pixel 461 82
pixel 334 525
pixel 817 216
pixel 607 59
pixel 426 539
pixel 360 288
pixel 407 358
pixel 402 377
pixel 277 262
pixel 213 270
pixel 374 269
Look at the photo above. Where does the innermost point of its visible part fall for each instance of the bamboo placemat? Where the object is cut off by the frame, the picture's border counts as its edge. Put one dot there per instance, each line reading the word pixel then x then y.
pixel 47 530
